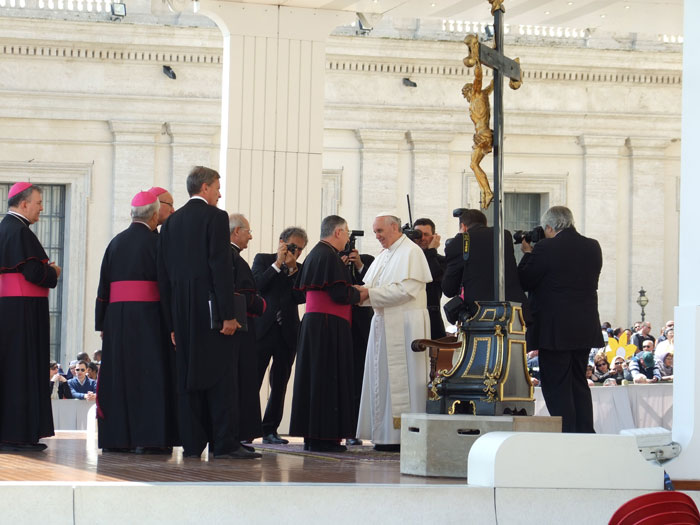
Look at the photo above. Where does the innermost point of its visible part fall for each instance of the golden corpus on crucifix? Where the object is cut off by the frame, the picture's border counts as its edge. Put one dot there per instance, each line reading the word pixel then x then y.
pixel 478 98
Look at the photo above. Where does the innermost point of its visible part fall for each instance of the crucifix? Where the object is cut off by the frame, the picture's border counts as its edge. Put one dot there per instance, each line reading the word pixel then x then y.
pixel 484 139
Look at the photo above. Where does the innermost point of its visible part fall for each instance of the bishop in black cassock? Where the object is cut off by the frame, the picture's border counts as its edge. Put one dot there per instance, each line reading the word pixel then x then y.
pixel 249 400
pixel 136 384
pixel 323 409
pixel 197 290
pixel 25 278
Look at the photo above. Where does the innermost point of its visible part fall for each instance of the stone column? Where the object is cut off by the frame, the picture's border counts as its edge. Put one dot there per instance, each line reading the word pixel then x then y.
pixel 272 112
pixel 134 165
pixel 686 394
pixel 646 234
pixel 379 178
pixel 431 166
pixel 600 218
pixel 191 145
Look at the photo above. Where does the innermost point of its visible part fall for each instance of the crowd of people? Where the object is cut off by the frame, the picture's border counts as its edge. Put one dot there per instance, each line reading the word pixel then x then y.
pixel 189 326
pixel 630 356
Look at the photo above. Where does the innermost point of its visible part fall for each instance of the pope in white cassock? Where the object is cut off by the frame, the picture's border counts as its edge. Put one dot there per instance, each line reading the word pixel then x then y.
pixel 395 377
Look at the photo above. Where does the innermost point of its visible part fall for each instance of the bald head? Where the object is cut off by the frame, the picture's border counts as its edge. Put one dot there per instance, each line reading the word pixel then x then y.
pixel 387 229
pixel 167 207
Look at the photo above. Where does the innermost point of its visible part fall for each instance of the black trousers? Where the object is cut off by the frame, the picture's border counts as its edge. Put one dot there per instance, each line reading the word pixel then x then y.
pixel 565 388
pixel 273 346
pixel 211 415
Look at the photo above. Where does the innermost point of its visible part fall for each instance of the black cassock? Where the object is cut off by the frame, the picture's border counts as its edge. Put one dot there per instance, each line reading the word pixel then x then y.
pixel 194 271
pixel 136 386
pixel 323 404
pixel 250 425
pixel 25 404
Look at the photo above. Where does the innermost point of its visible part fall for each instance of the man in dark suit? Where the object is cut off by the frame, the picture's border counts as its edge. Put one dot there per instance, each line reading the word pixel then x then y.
pixel 248 387
pixel 197 289
pixel 429 243
pixel 475 273
pixel 277 329
pixel 561 274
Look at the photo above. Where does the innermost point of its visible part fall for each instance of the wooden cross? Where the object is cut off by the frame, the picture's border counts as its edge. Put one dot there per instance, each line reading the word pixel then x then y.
pixel 501 65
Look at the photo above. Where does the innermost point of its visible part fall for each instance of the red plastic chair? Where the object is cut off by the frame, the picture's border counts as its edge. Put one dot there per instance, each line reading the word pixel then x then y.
pixel 671 518
pixel 655 505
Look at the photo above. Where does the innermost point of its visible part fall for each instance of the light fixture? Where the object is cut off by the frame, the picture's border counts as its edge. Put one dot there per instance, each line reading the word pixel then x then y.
pixel 168 72
pixel 642 300
pixel 409 83
pixel 118 10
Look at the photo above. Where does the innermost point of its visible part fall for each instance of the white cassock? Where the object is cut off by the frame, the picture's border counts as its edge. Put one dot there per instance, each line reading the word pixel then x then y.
pixel 395 377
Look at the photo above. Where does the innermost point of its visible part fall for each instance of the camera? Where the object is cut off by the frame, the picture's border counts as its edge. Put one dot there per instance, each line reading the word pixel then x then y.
pixel 457 212
pixel 292 248
pixel 411 233
pixel 350 246
pixel 533 236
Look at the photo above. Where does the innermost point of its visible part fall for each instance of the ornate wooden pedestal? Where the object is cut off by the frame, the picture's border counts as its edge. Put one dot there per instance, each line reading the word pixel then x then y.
pixel 490 374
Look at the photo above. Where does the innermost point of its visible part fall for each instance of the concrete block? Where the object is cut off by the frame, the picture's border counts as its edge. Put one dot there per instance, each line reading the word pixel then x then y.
pixel 561 461
pixel 438 444
pixel 35 502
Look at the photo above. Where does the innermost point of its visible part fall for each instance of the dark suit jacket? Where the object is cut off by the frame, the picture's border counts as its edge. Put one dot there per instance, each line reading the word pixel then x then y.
pixel 476 273
pixel 278 291
pixel 561 275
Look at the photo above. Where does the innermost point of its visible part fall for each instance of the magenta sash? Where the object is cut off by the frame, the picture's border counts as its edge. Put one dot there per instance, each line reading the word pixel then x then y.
pixel 15 285
pixel 320 302
pixel 133 291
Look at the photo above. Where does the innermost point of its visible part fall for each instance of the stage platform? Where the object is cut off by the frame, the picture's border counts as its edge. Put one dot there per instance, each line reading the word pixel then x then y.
pixel 73 482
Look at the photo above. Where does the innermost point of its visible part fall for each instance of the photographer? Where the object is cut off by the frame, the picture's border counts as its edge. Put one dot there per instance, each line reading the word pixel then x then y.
pixel 473 269
pixel 276 330
pixel 561 274
pixel 429 243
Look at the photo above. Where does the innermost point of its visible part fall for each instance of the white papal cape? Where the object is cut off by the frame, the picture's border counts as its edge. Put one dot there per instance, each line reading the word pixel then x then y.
pixel 395 377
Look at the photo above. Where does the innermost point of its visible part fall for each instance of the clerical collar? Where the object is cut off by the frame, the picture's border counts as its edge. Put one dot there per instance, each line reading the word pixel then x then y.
pixel 19 216
pixel 141 222
pixel 329 244
pixel 236 246
pixel 199 197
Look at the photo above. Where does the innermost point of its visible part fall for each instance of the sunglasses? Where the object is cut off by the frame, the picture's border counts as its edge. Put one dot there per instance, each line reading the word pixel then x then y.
pixel 80 369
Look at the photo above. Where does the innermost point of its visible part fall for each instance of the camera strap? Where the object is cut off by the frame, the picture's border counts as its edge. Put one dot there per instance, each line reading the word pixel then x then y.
pixel 467 242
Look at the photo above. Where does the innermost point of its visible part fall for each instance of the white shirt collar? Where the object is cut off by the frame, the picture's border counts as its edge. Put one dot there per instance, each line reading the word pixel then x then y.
pixel 17 215
pixel 198 197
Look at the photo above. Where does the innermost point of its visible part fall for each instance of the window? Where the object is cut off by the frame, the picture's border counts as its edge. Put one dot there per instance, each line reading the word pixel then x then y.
pixel 50 229
pixel 521 211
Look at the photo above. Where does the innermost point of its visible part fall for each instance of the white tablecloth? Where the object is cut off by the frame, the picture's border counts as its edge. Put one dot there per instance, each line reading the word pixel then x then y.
pixel 618 407
pixel 70 414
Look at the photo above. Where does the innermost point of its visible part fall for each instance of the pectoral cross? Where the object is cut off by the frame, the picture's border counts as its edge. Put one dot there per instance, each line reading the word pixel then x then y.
pixel 484 140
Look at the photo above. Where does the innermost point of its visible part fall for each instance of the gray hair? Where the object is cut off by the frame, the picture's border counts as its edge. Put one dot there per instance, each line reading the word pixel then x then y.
pixel 198 176
pixel 329 225
pixel 22 196
pixel 392 219
pixel 557 218
pixel 294 231
pixel 144 213
pixel 236 220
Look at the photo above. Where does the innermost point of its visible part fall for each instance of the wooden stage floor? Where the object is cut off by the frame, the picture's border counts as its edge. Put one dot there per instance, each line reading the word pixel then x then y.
pixel 71 456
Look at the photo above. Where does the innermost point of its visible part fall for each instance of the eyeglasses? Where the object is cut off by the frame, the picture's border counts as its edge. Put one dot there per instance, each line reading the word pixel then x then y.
pixel 168 203
pixel 80 370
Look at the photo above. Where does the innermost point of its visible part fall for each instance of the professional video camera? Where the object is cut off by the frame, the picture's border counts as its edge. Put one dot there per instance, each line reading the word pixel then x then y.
pixel 531 237
pixel 407 229
pixel 350 246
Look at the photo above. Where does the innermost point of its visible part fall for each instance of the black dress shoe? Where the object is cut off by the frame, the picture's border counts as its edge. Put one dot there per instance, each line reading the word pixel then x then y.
pixel 387 448
pixel 323 445
pixel 22 447
pixel 239 453
pixel 245 445
pixel 273 438
pixel 353 441
pixel 154 451
pixel 115 450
